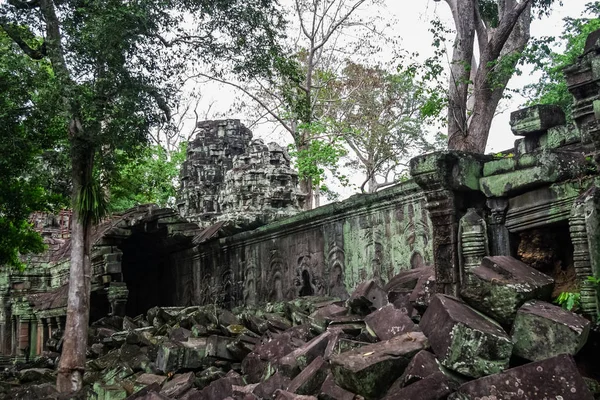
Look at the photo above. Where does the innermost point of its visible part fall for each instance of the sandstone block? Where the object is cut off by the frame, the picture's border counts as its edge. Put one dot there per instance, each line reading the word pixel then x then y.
pixel 464 340
pixel 367 297
pixel 434 387
pixel 543 330
pixel 553 378
pixel 388 322
pixel 501 284
pixel 370 370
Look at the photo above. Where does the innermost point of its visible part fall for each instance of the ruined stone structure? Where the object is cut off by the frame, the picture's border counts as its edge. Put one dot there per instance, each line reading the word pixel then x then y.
pixel 471 217
pixel 229 177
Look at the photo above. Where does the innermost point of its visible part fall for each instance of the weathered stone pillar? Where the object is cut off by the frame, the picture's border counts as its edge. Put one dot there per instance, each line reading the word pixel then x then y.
pixel 472 234
pixel 584 226
pixel 499 237
pixel 23 345
pixel 117 294
pixel 33 338
pixel 450 181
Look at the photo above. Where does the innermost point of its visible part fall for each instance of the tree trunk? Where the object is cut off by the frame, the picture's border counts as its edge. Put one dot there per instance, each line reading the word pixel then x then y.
pixel 464 18
pixel 306 187
pixel 72 361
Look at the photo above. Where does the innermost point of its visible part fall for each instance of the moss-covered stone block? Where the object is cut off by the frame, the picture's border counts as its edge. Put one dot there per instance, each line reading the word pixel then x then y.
pixel 559 136
pixel 499 166
pixel 542 330
pixel 536 119
pixel 501 284
pixel 464 340
pixel 370 370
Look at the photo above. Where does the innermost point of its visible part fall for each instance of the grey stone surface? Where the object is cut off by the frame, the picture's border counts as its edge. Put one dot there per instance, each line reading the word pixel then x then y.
pixel 542 330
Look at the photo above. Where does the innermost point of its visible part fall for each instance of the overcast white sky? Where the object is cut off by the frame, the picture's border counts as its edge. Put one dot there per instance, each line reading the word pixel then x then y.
pixel 413 23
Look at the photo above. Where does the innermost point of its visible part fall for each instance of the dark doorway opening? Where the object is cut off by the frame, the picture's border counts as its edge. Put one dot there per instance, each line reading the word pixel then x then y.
pixel 145 271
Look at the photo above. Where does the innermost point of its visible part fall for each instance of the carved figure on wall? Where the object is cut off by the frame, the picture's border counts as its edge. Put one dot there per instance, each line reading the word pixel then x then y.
pixel 249 290
pixel 276 268
pixel 336 260
pixel 416 260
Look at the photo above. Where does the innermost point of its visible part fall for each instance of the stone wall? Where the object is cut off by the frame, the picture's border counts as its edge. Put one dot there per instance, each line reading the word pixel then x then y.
pixel 328 250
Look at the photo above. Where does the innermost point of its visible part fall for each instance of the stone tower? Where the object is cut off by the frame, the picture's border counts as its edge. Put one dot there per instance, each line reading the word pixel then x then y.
pixel 229 177
pixel 209 156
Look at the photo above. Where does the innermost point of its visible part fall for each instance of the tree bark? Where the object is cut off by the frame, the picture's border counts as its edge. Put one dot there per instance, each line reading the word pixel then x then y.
pixel 72 361
pixel 510 37
pixel 464 18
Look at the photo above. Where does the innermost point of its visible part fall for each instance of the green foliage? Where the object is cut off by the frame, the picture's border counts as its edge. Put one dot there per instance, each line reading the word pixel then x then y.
pixel 552 87
pixel 27 128
pixel 568 300
pixel 151 177
pixel 314 158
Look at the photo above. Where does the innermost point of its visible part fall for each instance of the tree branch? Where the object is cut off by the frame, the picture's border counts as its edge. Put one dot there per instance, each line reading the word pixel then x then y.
pixel 12 32
pixel 255 98
pixel 506 26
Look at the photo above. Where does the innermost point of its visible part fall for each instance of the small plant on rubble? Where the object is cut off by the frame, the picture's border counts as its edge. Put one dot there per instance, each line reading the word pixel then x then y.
pixel 568 300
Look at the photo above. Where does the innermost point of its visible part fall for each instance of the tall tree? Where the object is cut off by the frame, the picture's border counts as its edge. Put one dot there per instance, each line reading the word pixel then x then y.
pixel 116 65
pixel 294 100
pixel 379 115
pixel 502 30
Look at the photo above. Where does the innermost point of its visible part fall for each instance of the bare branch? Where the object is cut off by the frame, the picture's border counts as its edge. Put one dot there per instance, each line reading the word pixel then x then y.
pixel 12 32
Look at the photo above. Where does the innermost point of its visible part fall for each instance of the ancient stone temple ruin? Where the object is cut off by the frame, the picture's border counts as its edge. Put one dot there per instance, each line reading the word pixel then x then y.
pixel 380 295
pixel 229 177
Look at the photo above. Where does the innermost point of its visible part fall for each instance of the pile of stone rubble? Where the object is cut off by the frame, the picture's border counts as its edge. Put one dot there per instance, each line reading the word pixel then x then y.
pixel 399 341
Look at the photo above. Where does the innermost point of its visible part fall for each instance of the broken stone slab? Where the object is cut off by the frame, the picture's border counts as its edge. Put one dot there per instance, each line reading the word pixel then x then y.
pixel 217 390
pixel 420 367
pixel 322 317
pixel 536 119
pixel 423 291
pixel 464 340
pixel 291 364
pixel 311 378
pixel 194 353
pixel 331 391
pixel 388 322
pixel 178 385
pixel 208 375
pixel 407 279
pixel 370 370
pixel 436 386
pixel 149 379
pixel 542 330
pixel 553 378
pixel 169 356
pixel 501 284
pixel 400 298
pixel 180 334
pixel 109 392
pixel 285 395
pixel 275 382
pixel 367 297
pixel 218 346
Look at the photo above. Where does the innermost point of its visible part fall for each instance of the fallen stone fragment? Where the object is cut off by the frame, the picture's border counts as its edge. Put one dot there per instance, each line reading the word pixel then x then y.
pixel 370 370
pixel 407 279
pixel 178 385
pixel 217 390
pixel 434 387
pixel 388 322
pixel 423 291
pixel 553 378
pixel 367 297
pixel 420 367
pixel 331 391
pixel 501 284
pixel 275 382
pixel 194 353
pixel 180 334
pixel 150 392
pixel 168 356
pixel 310 379
pixel 284 395
pixel 322 317
pixel 109 392
pixel 149 379
pixel 218 346
pixel 400 298
pixel 542 330
pixel 464 340
pixel 291 364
